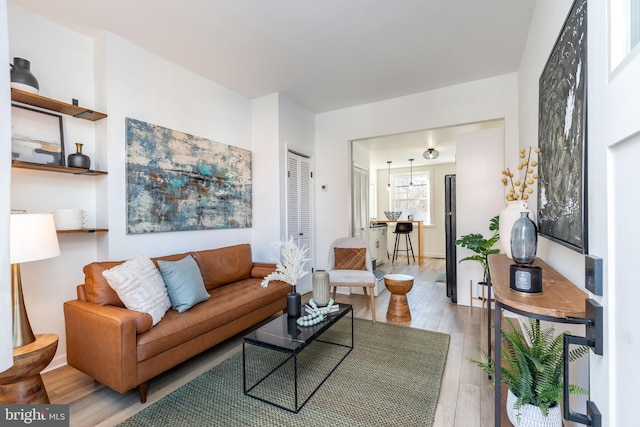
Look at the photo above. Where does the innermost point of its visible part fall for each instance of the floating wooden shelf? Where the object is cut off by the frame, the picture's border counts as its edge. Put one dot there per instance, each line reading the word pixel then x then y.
pixel 84 230
pixel 54 105
pixel 54 168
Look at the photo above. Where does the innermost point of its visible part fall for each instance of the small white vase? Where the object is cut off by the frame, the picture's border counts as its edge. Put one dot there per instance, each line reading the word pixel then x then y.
pixel 508 216
pixel 532 416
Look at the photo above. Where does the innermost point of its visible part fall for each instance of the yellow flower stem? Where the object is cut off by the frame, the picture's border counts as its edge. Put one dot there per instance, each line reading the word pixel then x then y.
pixel 526 173
pixel 510 178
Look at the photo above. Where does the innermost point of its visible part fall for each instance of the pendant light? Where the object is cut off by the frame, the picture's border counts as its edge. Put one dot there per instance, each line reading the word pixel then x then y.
pixel 431 154
pixel 411 176
pixel 389 176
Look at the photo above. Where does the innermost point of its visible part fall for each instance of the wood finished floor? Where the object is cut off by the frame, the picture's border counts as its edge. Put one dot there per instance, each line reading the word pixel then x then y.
pixel 466 400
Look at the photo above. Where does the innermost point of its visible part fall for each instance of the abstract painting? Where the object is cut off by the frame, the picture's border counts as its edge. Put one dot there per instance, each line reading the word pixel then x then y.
pixel 562 213
pixel 178 182
pixel 36 136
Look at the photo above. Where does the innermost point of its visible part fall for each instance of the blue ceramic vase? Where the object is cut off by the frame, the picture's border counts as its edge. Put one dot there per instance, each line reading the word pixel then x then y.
pixel 524 240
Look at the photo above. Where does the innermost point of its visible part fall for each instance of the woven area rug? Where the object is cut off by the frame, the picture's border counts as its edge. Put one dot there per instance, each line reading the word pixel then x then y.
pixel 392 377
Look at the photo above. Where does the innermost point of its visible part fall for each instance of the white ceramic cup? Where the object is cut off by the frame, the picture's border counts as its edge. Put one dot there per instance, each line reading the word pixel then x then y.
pixel 69 219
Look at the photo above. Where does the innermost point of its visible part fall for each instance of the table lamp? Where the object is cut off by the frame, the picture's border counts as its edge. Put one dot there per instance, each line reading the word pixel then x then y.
pixel 32 237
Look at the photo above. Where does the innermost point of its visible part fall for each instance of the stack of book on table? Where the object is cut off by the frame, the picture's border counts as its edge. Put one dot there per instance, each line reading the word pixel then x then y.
pixel 309 310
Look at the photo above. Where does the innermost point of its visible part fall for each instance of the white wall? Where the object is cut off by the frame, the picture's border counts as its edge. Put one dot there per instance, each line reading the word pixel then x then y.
pixel 62 61
pixel 479 196
pixel 6 352
pixel 614 150
pixel 268 180
pixel 145 87
pixel 278 125
pixel 488 99
pixel 297 133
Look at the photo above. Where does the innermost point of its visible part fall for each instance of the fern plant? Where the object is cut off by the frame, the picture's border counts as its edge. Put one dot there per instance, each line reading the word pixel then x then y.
pixel 482 247
pixel 533 372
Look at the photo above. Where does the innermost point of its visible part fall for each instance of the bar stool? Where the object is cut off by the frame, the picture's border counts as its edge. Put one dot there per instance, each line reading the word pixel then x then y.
pixel 403 228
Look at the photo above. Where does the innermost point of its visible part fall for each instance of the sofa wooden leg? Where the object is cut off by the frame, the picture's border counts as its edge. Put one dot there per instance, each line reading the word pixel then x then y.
pixel 142 391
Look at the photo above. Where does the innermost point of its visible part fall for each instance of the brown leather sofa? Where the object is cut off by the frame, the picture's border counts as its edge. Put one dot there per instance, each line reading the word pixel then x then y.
pixel 119 348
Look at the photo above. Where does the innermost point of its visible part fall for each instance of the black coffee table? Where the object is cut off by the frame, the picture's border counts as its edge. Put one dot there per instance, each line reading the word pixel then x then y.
pixel 284 364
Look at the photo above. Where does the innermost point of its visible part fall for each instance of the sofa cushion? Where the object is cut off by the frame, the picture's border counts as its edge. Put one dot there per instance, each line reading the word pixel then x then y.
pixel 262 269
pixel 227 303
pixel 140 287
pixel 184 283
pixel 97 288
pixel 224 265
pixel 352 276
pixel 350 258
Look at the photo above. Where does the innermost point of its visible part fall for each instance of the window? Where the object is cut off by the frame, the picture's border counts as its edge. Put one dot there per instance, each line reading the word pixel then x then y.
pixel 624 29
pixel 412 195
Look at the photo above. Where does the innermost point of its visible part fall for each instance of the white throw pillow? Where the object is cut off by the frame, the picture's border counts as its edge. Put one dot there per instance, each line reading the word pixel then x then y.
pixel 139 285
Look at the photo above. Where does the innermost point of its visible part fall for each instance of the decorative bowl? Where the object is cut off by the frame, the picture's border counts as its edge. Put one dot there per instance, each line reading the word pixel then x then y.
pixel 392 215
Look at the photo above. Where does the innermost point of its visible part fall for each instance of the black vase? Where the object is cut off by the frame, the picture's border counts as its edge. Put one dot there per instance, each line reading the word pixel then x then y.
pixel 21 76
pixel 294 303
pixel 78 160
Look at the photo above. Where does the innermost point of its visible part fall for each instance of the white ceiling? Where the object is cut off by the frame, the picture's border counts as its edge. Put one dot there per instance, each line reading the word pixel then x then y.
pixel 323 54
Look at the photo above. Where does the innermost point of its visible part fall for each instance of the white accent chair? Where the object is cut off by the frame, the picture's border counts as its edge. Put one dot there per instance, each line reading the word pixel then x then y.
pixel 353 278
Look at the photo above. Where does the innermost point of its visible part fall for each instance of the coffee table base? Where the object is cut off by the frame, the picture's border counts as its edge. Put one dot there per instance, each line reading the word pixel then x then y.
pixel 286 378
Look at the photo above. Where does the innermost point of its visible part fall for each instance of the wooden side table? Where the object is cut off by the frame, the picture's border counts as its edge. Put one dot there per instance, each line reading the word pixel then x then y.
pixel 22 382
pixel 398 285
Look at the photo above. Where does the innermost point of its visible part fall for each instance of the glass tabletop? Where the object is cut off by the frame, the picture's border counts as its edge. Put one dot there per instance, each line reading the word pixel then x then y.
pixel 285 334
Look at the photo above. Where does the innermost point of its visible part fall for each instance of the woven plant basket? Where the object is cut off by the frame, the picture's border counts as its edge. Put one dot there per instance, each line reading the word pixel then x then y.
pixel 532 416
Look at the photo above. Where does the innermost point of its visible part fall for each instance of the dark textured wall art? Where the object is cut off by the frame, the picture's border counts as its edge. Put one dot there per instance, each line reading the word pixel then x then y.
pixel 562 212
pixel 178 182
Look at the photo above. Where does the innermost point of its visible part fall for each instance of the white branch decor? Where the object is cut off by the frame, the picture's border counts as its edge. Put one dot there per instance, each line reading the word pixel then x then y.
pixel 291 269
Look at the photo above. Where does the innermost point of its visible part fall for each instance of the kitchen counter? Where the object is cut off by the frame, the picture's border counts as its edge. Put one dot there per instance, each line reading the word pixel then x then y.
pixel 375 222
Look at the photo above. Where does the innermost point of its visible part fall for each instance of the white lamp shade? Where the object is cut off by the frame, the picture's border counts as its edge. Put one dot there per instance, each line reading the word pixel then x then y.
pixel 32 237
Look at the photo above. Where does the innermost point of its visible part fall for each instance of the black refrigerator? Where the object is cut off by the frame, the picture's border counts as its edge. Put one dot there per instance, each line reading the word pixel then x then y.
pixel 450 236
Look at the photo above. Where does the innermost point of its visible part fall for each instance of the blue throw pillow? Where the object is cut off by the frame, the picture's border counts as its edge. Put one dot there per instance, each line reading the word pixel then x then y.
pixel 184 283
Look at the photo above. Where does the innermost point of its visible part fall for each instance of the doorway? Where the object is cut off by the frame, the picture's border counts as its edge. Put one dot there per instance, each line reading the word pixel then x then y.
pixel 398 149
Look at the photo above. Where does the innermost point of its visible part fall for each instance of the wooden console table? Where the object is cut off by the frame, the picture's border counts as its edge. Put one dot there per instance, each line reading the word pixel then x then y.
pixel 420 225
pixel 560 299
